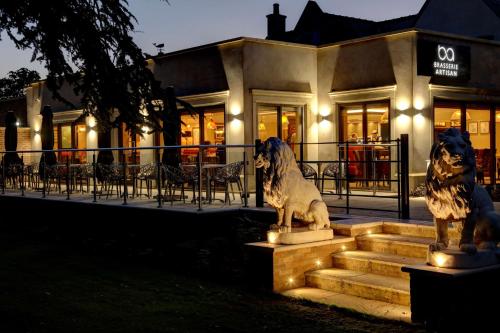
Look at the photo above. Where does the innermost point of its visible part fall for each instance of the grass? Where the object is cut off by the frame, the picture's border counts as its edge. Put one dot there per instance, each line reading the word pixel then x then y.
pixel 48 286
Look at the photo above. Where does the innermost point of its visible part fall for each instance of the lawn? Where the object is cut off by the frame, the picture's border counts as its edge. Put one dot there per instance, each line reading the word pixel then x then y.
pixel 48 286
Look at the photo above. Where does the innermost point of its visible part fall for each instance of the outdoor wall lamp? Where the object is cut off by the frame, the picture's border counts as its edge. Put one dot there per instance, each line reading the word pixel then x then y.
pixel 37 132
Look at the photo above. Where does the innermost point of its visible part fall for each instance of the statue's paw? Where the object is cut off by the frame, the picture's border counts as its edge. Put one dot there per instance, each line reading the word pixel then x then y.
pixel 274 227
pixel 437 247
pixel 284 229
pixel 313 227
pixel 468 248
pixel 487 246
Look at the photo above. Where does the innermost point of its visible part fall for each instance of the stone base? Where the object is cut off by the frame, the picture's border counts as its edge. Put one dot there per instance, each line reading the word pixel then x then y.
pixel 299 236
pixel 454 258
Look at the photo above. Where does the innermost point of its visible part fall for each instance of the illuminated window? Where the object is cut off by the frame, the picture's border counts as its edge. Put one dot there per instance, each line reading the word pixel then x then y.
pixel 283 122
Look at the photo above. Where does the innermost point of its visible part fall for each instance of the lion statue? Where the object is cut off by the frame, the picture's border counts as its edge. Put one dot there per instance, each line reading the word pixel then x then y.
pixel 286 189
pixel 453 196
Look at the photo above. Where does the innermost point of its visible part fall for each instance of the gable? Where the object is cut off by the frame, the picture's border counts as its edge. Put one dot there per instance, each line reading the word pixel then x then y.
pixel 472 18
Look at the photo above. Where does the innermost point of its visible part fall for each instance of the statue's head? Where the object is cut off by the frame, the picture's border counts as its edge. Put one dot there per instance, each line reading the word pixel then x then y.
pixel 455 149
pixel 265 152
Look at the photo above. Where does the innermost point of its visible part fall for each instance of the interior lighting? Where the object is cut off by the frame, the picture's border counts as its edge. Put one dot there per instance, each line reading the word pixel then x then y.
pixel 211 124
pixel 284 119
pixel 262 126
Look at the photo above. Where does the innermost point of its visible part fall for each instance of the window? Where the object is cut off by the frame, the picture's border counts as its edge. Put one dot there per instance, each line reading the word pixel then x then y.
pixel 129 140
pixel 71 136
pixel 284 122
pixel 365 122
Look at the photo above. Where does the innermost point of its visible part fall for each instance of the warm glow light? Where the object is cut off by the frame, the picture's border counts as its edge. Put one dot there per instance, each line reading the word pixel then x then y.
pixel 211 124
pixel 419 120
pixel 354 111
pixel 440 259
pixel 17 123
pixel 403 104
pixel 325 125
pixel 235 109
pixel 284 119
pixel 262 126
pixel 290 280
pixel 343 247
pixel 145 129
pixel 272 237
pixel 369 232
pixel 324 111
pixel 318 263
pixel 403 120
pixel 91 122
pixel 418 103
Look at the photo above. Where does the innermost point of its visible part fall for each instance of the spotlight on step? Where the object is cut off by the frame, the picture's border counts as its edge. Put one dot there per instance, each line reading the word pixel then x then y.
pixel 290 281
pixel 318 263
pixel 343 248
pixel 369 232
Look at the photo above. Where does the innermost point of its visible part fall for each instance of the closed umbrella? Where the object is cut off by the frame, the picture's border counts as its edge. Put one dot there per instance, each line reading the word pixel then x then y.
pixel 12 157
pixel 47 134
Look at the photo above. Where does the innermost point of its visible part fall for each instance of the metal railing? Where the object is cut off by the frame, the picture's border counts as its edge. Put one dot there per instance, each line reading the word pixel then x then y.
pixel 33 172
pixel 357 171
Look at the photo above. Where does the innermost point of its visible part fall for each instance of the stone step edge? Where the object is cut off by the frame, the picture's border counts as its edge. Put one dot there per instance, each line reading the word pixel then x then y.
pixel 397 242
pixel 404 311
pixel 346 279
pixel 378 261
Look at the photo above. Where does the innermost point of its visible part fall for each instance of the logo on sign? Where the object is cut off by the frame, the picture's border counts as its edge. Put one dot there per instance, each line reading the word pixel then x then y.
pixel 446 66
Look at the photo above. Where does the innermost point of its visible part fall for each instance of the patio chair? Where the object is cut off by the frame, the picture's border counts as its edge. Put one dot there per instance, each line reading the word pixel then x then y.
pixel 147 173
pixel 82 175
pixel 226 176
pixel 175 178
pixel 331 172
pixel 111 177
pixel 308 172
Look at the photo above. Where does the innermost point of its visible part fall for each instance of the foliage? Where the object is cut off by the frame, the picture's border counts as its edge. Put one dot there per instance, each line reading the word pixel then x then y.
pixel 88 44
pixel 13 85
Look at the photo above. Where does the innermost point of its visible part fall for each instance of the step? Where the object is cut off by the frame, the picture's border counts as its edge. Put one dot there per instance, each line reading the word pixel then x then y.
pixel 375 262
pixel 410 229
pixel 367 285
pixel 401 245
pixel 366 306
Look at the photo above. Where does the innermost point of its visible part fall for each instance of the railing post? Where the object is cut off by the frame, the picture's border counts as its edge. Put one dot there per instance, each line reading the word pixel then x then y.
pixel 158 176
pixel 347 176
pixel 200 154
pixel 22 175
pixel 259 180
pixel 68 171
pixel 3 174
pixel 94 176
pixel 405 178
pixel 245 179
pixel 124 175
pixel 44 175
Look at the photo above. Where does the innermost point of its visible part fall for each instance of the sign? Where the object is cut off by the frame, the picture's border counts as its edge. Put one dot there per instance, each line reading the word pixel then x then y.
pixel 443 61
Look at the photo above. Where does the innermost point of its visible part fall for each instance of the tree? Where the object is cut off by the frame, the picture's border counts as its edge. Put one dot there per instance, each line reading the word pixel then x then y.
pixel 13 85
pixel 88 44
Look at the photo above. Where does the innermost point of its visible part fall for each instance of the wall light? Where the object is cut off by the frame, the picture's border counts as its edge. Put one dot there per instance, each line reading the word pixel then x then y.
pixel 18 123
pixel 324 111
pixel 235 109
pixel 403 104
pixel 37 132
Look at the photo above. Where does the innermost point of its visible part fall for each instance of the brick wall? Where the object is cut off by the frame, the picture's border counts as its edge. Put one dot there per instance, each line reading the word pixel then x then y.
pixel 23 141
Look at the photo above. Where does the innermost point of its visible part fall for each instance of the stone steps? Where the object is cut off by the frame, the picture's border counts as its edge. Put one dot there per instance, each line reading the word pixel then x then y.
pixel 373 262
pixel 366 285
pixel 401 245
pixel 359 304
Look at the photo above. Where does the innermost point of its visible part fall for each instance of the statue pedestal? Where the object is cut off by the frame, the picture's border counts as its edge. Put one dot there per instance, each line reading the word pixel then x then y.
pixel 299 236
pixel 454 258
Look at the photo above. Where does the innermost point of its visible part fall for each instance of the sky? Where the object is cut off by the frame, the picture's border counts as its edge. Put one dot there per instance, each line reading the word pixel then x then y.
pixel 188 23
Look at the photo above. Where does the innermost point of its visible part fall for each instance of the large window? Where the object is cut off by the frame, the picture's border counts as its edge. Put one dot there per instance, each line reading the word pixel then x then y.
pixel 205 128
pixel 284 122
pixel 365 122
pixel 71 136
pixel 129 140
pixel 481 123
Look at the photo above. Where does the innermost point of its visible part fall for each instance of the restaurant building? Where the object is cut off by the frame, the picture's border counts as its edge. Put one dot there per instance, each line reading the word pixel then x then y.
pixel 332 78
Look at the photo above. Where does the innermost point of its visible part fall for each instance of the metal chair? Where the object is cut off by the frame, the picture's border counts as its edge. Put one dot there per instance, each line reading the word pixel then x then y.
pixel 309 173
pixel 331 172
pixel 226 176
pixel 146 173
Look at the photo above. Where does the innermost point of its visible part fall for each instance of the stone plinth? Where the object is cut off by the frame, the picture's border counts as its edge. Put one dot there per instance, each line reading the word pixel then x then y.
pixel 455 300
pixel 279 267
pixel 299 236
pixel 454 258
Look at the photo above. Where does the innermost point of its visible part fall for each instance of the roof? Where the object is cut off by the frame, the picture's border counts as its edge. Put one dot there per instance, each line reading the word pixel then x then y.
pixel 317 27
pixel 494 5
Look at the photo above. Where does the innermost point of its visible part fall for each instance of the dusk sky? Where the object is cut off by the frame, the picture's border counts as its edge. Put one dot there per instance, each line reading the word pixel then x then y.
pixel 187 23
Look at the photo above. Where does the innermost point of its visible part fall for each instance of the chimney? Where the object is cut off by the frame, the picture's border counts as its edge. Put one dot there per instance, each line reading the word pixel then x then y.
pixel 276 24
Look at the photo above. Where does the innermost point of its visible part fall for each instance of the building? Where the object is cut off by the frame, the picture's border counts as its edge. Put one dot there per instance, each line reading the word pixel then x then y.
pixel 329 79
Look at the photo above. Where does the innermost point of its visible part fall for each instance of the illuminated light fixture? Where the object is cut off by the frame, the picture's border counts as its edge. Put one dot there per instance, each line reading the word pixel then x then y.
pixel 456 116
pixel 211 124
pixel 37 132
pixel 284 119
pixel 343 248
pixel 318 263
pixel 272 237
pixel 81 129
pixel 369 232
pixel 145 129
pixel 440 259
pixel 262 126
pixel 290 280
pixel 377 111
pixel 354 111
pixel 18 123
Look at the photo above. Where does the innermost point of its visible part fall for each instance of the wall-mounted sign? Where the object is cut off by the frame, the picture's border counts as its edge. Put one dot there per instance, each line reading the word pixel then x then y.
pixel 443 61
